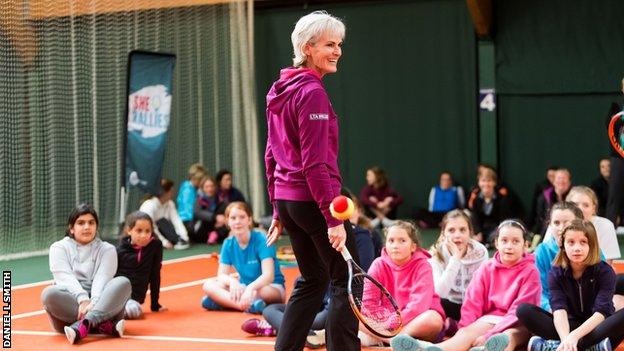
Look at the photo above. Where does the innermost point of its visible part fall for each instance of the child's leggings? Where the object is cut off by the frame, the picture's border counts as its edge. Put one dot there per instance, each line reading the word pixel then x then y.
pixel 62 307
pixel 541 323
pixel 274 314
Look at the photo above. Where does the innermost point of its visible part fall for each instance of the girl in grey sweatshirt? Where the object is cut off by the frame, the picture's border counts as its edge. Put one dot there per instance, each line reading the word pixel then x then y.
pixel 85 296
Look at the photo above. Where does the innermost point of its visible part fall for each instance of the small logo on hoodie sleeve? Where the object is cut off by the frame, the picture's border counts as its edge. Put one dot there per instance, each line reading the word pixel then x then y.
pixel 319 116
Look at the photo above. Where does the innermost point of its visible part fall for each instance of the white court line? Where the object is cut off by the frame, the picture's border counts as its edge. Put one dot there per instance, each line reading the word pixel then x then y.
pixel 159 338
pixel 167 288
pixel 27 314
pixel 182 285
pixel 173 260
pixel 32 285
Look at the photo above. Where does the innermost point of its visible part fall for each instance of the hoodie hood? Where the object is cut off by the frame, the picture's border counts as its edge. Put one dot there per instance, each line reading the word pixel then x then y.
pixel 417 257
pixel 289 82
pixel 526 260
pixel 476 253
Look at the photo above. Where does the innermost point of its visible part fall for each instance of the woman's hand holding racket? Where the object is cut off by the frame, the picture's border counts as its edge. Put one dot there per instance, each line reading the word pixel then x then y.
pixel 337 237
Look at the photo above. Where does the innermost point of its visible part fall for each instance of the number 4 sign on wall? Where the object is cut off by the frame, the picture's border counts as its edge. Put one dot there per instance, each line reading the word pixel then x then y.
pixel 487 99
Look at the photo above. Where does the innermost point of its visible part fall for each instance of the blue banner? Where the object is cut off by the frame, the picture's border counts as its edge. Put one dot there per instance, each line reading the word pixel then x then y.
pixel 149 109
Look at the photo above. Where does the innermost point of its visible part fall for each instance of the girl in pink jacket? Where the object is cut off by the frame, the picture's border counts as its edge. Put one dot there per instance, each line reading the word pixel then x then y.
pixel 488 314
pixel 404 270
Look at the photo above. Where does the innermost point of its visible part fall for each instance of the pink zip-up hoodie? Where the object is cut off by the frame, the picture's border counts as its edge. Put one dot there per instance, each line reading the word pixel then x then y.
pixel 411 284
pixel 301 155
pixel 498 290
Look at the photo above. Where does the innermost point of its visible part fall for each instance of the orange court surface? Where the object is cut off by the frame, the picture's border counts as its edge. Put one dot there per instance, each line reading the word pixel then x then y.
pixel 185 326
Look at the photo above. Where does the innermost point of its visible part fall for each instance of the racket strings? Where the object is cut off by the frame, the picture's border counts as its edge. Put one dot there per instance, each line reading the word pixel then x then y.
pixel 375 306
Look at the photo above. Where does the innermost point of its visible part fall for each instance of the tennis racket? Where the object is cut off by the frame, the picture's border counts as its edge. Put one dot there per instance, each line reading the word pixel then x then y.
pixel 371 303
pixel 615 137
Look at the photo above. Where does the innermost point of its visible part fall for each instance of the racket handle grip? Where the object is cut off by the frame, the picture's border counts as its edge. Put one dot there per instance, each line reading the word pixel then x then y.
pixel 346 254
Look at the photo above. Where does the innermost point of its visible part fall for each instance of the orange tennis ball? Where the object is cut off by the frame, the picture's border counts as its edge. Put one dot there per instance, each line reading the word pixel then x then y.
pixel 341 207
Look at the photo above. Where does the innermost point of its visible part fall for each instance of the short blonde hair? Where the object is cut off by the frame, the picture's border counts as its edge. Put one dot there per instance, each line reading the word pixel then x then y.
pixel 309 28
pixel 583 190
pixel 587 228
pixel 197 172
pixel 487 173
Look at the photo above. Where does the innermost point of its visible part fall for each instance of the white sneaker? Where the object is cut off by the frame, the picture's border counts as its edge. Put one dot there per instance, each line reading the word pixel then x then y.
pixel 619 230
pixel 368 340
pixel 404 342
pixel 70 334
pixel 120 327
pixel 315 339
pixel 181 245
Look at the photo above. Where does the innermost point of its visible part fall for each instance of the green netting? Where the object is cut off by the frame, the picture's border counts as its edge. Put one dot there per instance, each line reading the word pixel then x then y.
pixel 62 105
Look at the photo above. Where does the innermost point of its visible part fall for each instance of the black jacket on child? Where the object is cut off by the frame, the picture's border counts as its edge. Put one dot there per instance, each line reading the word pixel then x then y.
pixel 593 292
pixel 142 266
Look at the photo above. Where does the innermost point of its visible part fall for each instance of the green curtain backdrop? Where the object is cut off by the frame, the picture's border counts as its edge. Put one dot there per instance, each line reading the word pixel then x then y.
pixel 404 91
pixel 62 115
pixel 559 46
pixel 558 68
pixel 540 131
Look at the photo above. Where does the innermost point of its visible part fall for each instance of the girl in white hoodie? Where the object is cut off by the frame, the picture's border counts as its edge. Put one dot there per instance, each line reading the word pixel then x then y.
pixel 455 259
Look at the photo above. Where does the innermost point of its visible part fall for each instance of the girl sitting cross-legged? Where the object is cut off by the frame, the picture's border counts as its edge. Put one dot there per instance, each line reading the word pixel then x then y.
pixel 248 277
pixel 456 258
pixel 488 314
pixel 581 293
pixel 403 269
pixel 86 295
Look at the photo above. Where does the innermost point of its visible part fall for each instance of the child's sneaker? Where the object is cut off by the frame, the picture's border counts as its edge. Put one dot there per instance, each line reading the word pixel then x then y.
pixel 210 305
pixel 368 340
pixel 181 245
pixel 315 339
pixel 78 330
pixel 213 237
pixel 404 342
pixel 540 344
pixel 603 345
pixel 536 343
pixel 258 327
pixel 257 307
pixel 111 328
pixel 497 342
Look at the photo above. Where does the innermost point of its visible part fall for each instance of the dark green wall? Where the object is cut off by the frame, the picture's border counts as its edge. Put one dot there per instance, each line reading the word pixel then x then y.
pixel 543 130
pixel 404 91
pixel 558 68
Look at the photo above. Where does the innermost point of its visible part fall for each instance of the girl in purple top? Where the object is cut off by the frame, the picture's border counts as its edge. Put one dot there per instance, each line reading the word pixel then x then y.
pixel 581 298
pixel 302 175
pixel 380 199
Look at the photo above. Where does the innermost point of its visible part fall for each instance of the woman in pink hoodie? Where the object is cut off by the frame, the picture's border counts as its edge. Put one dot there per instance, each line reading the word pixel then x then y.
pixel 303 178
pixel 488 314
pixel 404 270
